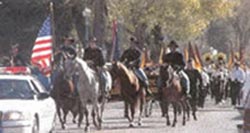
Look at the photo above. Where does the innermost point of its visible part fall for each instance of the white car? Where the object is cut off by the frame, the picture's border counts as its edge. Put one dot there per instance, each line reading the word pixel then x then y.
pixel 25 106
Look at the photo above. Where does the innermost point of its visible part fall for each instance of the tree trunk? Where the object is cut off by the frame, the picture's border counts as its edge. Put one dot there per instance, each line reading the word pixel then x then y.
pixel 100 15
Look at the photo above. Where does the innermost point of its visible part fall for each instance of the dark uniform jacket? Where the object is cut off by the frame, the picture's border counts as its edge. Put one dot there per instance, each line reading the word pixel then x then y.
pixel 131 55
pixel 18 60
pixel 194 78
pixel 95 55
pixel 174 58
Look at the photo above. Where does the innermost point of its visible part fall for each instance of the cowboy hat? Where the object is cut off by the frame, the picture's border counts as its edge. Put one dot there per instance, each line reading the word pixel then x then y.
pixel 173 44
pixel 69 38
pixel 93 39
pixel 15 46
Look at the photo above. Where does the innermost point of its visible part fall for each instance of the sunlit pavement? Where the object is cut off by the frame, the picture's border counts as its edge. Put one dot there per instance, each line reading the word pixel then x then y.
pixel 221 118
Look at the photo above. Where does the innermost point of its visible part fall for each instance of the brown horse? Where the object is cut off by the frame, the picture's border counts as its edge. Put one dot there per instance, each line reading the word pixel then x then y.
pixel 131 92
pixel 171 93
pixel 62 93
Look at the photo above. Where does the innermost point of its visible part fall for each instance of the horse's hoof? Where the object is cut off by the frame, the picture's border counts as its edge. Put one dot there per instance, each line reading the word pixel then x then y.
pixel 168 123
pixel 99 128
pixel 131 125
pixel 79 125
pixel 195 118
pixel 74 121
pixel 139 123
pixel 86 129
pixel 63 127
pixel 173 125
pixel 183 123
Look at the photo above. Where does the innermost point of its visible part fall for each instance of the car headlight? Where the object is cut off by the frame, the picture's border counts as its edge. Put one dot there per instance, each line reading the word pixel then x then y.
pixel 13 116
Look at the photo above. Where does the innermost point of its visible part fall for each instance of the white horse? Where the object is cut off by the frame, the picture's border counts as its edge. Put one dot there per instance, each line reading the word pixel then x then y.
pixel 88 88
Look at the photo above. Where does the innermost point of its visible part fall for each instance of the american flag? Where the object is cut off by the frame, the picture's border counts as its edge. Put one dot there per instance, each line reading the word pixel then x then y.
pixel 42 50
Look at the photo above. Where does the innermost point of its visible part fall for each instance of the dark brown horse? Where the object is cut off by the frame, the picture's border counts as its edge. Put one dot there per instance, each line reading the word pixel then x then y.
pixel 131 92
pixel 171 93
pixel 62 93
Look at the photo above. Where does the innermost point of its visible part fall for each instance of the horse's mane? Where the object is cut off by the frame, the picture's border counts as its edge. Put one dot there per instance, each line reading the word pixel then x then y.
pixel 84 65
pixel 126 72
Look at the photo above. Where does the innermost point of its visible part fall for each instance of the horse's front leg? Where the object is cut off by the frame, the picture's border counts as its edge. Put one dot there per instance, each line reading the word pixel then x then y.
pixel 142 102
pixel 194 108
pixel 187 103
pixel 132 111
pixel 175 114
pixel 80 112
pixel 165 105
pixel 102 109
pixel 184 113
pixel 65 113
pixel 86 113
pixel 126 110
pixel 59 115
pixel 96 116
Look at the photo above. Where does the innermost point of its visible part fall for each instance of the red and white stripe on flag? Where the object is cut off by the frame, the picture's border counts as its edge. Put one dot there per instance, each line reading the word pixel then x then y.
pixel 42 54
pixel 42 50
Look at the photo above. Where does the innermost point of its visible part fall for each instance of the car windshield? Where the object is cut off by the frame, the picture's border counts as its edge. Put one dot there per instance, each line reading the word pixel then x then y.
pixel 15 89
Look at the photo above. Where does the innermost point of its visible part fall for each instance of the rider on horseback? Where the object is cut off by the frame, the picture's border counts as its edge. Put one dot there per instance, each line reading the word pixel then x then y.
pixel 176 60
pixel 132 58
pixel 94 56
pixel 68 46
pixel 69 51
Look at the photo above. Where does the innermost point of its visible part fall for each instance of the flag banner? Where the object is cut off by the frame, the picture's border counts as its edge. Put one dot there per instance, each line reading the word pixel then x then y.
pixel 161 55
pixel 115 55
pixel 42 49
pixel 198 55
pixel 143 58
pixel 193 55
pixel 186 55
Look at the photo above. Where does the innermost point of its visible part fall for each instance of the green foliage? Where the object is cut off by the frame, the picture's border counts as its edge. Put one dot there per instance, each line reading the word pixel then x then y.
pixel 180 19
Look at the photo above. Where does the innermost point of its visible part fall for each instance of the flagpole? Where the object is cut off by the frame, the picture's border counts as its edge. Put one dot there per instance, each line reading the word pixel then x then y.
pixel 51 5
pixel 54 46
pixel 113 40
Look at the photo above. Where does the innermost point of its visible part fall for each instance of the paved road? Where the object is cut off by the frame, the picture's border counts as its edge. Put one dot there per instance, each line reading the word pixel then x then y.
pixel 212 119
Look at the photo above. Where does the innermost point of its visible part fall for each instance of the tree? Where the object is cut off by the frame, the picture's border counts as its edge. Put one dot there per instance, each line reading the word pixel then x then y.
pixel 180 19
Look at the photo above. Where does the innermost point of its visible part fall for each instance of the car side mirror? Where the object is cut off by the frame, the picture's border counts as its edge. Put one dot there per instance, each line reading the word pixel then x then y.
pixel 42 96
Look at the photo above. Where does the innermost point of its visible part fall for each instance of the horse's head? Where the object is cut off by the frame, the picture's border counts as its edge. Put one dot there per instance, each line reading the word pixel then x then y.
pixel 70 67
pixel 166 72
pixel 59 59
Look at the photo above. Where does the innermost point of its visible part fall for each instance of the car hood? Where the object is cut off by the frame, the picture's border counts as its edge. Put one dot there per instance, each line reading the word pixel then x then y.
pixel 17 105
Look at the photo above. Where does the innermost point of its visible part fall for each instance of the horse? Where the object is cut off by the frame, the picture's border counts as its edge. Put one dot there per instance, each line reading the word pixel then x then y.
pixel 88 89
pixel 62 93
pixel 171 93
pixel 131 91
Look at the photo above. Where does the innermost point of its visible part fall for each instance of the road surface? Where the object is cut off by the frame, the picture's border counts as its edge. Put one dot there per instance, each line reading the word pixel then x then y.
pixel 221 118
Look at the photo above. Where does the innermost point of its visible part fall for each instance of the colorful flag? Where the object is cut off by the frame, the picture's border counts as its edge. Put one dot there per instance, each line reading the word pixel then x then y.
pixel 193 55
pixel 143 58
pixel 186 55
pixel 161 55
pixel 198 55
pixel 115 55
pixel 42 50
